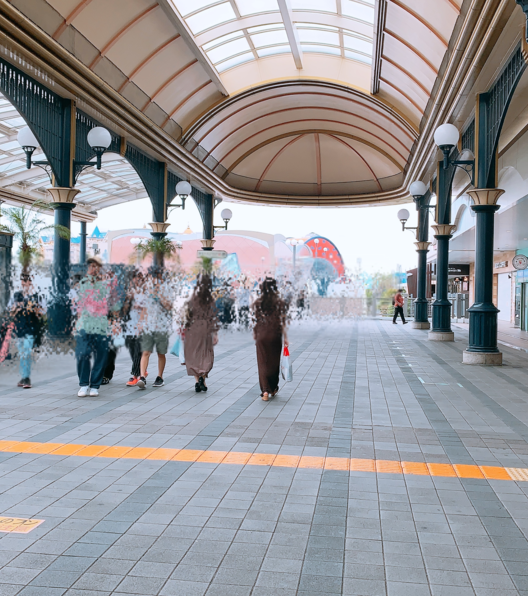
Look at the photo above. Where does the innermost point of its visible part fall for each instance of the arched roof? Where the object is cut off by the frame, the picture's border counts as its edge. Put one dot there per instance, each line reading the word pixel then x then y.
pixel 311 98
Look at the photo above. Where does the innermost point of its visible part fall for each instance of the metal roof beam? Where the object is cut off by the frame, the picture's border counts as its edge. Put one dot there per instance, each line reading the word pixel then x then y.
pixel 169 9
pixel 291 32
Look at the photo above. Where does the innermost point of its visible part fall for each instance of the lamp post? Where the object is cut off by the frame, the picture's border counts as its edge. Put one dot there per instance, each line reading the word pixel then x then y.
pixel 421 196
pixel 446 137
pixel 59 312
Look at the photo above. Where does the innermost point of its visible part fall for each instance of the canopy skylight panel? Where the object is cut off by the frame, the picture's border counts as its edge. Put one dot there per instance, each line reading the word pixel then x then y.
pixel 269 38
pixel 362 11
pixel 236 61
pixel 273 50
pixel 211 17
pixel 249 7
pixel 228 50
pixel 317 5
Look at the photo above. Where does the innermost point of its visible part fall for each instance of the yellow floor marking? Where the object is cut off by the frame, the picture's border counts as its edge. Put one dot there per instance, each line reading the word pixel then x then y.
pixel 268 459
pixel 18 525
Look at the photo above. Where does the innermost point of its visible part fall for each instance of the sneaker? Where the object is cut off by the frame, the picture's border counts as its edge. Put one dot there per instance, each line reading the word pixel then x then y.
pixel 83 392
pixel 142 382
pixel 27 383
pixel 405 322
pixel 158 382
pixel 94 392
pixel 394 323
pixel 21 383
pixel 132 381
pixel 105 381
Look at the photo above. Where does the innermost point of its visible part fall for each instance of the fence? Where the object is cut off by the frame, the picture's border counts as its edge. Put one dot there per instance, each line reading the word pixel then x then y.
pixel 459 307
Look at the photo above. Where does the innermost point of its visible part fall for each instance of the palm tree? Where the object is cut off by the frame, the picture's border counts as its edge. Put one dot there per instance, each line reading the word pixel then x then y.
pixel 159 249
pixel 27 228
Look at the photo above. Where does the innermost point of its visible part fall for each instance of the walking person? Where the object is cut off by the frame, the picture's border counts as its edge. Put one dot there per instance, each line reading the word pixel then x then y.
pixel 131 314
pixel 26 316
pixel 95 299
pixel 155 325
pixel 269 312
pixel 201 332
pixel 398 307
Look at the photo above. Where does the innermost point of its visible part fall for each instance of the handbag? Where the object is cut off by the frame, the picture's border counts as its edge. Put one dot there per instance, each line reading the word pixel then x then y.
pixel 178 348
pixel 286 365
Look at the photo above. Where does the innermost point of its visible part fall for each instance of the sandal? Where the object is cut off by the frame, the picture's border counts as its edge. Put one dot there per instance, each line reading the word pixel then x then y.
pixel 197 387
pixel 265 396
pixel 202 384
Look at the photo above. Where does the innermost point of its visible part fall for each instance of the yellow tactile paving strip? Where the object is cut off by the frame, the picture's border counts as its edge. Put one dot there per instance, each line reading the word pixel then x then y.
pixel 270 459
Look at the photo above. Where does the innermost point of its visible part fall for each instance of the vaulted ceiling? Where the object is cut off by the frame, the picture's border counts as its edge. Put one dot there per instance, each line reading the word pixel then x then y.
pixel 307 98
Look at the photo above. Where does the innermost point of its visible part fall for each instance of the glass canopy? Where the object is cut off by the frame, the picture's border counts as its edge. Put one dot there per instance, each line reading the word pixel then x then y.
pixel 116 182
pixel 257 28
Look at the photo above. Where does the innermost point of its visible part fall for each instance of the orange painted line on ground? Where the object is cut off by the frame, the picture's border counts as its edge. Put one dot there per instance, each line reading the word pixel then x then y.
pixel 465 471
pixel 187 455
pixel 307 461
pixel 445 470
pixel 388 467
pixel 139 453
pixel 269 459
pixel 163 454
pixel 214 457
pixel 416 468
pixel 494 473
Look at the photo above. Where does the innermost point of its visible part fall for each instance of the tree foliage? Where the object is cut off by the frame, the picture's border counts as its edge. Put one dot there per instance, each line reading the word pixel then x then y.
pixel 27 227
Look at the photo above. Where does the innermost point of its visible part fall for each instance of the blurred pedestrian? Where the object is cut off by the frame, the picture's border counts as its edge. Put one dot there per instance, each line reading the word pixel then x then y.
pixel 201 332
pixel 270 312
pixel 26 316
pixel 131 315
pixel 94 299
pixel 155 324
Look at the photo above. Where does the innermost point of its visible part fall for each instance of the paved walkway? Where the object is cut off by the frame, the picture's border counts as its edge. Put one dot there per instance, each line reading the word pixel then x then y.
pixel 508 335
pixel 385 468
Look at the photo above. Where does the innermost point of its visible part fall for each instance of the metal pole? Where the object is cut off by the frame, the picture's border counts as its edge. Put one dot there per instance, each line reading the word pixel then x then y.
pixel 82 247
pixel 441 330
pixel 483 347
pixel 421 320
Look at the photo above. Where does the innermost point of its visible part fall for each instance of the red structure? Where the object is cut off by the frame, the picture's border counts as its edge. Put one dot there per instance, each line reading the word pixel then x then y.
pixel 322 248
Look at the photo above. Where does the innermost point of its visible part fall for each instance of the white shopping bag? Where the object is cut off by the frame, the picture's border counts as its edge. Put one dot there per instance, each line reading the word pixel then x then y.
pixel 286 366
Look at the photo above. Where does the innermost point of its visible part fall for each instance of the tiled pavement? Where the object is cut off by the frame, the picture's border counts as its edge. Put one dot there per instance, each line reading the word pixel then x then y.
pixel 362 390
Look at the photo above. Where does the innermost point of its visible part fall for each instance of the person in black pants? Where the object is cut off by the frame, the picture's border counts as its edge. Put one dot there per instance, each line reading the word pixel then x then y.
pixel 398 308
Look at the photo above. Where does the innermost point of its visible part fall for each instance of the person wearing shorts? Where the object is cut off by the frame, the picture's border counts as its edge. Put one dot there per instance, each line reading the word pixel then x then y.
pixel 155 323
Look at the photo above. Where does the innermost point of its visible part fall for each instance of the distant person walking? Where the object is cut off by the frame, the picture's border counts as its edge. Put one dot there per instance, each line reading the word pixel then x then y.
pixel 201 332
pixel 269 332
pixel 398 307
pixel 26 316
pixel 94 300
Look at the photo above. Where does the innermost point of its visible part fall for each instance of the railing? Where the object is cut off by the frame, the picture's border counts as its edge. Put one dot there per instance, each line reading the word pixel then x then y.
pixel 459 306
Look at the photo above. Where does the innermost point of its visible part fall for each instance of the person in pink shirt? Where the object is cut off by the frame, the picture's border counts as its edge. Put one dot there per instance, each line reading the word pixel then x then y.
pixel 398 308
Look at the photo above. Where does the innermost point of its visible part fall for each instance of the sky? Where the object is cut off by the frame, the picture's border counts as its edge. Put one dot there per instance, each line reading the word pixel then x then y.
pixel 372 234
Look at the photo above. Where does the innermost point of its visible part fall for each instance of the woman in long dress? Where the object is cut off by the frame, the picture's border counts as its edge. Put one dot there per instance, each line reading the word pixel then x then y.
pixel 269 332
pixel 201 332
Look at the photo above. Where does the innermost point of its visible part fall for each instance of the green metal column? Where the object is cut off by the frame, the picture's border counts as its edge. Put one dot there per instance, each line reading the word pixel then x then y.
pixel 483 348
pixel 82 246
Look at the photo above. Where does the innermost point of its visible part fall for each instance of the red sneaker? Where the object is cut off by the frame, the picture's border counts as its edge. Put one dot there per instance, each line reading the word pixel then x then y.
pixel 132 381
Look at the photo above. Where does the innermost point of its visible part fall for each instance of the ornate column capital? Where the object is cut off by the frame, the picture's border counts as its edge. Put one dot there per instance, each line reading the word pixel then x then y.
pixel 159 227
pixel 422 245
pixel 63 194
pixel 443 229
pixel 485 196
pixel 208 243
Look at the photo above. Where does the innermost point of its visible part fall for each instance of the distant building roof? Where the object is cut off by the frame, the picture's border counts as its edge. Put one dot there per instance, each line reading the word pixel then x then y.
pixel 188 230
pixel 97 233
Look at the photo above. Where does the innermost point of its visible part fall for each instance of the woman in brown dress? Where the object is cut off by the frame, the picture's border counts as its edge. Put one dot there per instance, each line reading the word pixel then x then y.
pixel 201 332
pixel 269 332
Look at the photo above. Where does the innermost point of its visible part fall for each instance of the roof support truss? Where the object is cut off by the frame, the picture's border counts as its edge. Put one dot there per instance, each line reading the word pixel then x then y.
pixel 291 32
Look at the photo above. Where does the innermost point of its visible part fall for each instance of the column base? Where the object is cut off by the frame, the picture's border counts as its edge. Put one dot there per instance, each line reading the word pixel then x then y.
pixel 441 336
pixel 417 325
pixel 482 358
